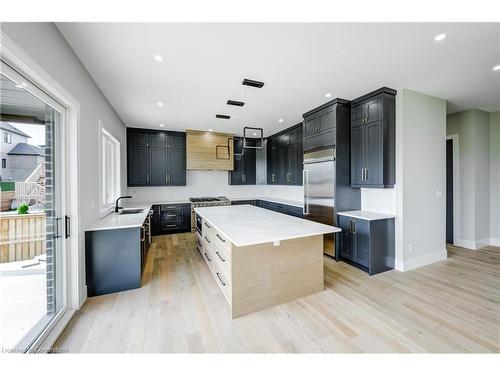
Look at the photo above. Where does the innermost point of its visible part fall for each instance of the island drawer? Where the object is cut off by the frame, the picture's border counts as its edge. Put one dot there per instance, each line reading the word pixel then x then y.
pixel 221 240
pixel 223 281
pixel 199 243
pixel 208 256
pixel 222 259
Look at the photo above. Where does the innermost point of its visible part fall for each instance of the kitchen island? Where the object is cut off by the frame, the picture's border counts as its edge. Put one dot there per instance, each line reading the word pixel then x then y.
pixel 260 258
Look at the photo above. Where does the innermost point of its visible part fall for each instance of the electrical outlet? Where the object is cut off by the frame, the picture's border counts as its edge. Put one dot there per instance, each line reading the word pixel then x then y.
pixel 439 193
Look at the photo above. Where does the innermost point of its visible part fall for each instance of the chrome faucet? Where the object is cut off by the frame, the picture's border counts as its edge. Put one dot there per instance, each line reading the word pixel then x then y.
pixel 116 204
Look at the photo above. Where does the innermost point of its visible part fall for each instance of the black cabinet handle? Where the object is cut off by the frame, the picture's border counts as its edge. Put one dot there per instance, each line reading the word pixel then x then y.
pixel 171 225
pixel 221 258
pixel 208 226
pixel 207 239
pixel 67 226
pixel 222 282
pixel 171 215
pixel 220 238
pixel 206 256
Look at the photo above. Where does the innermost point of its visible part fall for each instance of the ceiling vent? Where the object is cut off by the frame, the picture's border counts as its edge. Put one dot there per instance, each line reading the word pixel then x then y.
pixel 251 83
pixel 236 103
pixel 225 117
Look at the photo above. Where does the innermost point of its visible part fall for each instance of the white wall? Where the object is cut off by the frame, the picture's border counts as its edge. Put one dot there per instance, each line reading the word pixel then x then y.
pixel 420 179
pixel 213 183
pixel 476 148
pixel 495 178
pixel 45 45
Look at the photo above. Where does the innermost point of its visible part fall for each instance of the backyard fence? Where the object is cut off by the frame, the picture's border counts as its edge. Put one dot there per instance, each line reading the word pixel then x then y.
pixel 21 236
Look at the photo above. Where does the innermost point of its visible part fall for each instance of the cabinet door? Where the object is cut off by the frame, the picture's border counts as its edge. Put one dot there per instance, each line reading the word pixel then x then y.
pixel 157 139
pixel 158 166
pixel 137 139
pixel 236 175
pixel 374 154
pixel 326 119
pixel 156 221
pixel 346 250
pixel 292 170
pixel 138 166
pixel 176 166
pixel 249 168
pixel 357 155
pixel 186 217
pixel 176 140
pixel 357 114
pixel 311 125
pixel 362 242
pixel 373 110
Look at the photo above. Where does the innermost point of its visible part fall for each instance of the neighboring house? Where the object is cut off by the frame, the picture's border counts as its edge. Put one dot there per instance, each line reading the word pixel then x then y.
pixel 18 158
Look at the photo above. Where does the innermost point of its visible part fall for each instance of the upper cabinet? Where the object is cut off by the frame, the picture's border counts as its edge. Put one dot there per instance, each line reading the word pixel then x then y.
pixel 320 125
pixel 244 172
pixel 156 158
pixel 373 125
pixel 209 150
pixel 285 157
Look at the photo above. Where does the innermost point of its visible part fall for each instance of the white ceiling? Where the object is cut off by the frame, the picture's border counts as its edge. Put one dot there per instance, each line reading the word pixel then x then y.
pixel 204 64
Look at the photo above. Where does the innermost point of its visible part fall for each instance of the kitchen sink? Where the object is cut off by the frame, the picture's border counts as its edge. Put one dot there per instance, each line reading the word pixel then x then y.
pixel 131 211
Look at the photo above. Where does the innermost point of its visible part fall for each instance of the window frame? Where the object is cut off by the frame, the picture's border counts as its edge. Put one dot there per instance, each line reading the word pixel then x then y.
pixel 108 146
pixel 4 163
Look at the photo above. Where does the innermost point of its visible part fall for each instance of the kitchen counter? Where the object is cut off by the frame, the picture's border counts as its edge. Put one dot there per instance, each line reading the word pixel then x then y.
pixel 367 215
pixel 117 221
pixel 246 225
pixel 274 200
pixel 261 258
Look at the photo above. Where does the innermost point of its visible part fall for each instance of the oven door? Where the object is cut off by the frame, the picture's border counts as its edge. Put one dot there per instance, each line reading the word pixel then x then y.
pixel 199 226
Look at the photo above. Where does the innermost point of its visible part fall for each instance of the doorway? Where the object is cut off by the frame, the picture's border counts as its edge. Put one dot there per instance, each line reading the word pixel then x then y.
pixel 449 192
pixel 33 232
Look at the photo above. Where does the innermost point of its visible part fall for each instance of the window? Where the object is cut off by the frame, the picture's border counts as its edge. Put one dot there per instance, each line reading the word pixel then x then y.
pixel 7 137
pixel 110 170
pixel 4 163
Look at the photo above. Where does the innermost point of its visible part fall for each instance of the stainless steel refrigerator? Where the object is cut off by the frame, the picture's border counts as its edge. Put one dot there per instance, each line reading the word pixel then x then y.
pixel 326 175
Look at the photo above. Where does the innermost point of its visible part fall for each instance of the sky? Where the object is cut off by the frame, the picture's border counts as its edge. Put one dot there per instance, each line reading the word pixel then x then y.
pixel 36 131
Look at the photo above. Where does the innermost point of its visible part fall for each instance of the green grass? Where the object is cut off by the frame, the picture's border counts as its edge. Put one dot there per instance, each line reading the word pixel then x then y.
pixel 7 186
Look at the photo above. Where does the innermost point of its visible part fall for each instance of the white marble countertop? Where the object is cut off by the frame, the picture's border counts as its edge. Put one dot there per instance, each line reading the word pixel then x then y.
pixel 246 225
pixel 274 200
pixel 367 215
pixel 117 221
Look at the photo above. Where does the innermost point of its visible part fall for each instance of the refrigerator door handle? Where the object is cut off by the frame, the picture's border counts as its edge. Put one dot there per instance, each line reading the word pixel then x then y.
pixel 306 199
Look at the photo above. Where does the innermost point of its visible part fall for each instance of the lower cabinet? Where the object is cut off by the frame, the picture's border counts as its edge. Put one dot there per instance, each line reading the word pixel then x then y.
pixel 282 208
pixel 171 218
pixel 252 202
pixel 368 244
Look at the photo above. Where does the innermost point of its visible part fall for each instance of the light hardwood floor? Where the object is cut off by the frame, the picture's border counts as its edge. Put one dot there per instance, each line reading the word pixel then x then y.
pixel 450 306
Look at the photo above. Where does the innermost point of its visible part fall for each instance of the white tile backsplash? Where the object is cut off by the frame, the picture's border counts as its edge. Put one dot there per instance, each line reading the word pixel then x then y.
pixel 379 200
pixel 213 183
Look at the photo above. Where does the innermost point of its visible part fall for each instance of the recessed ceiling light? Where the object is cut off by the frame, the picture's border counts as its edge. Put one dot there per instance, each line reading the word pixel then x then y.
pixel 440 37
pixel 162 125
pixel 210 130
pixel 496 67
pixel 160 104
pixel 328 95
pixel 158 58
pixel 280 120
pixel 254 133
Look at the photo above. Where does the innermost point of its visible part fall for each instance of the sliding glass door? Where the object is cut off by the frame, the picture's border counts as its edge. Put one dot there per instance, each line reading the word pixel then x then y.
pixel 32 228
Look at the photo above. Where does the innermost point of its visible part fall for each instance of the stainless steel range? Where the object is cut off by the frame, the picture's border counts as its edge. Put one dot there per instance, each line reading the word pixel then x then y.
pixel 205 202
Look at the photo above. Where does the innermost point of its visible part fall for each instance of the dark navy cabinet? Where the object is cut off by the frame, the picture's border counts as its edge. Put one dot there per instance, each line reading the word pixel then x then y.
pixel 285 157
pixel 156 158
pixel 373 140
pixel 368 244
pixel 171 218
pixel 244 172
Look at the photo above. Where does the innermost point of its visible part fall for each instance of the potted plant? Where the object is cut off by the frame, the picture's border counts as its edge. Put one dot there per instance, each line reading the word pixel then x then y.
pixel 23 209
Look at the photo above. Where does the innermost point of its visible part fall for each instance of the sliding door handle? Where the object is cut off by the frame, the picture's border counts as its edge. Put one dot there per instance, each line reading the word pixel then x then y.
pixel 67 226
pixel 56 227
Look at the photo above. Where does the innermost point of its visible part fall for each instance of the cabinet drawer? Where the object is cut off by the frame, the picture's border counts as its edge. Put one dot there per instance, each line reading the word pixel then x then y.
pixel 223 282
pixel 222 259
pixel 171 207
pixel 318 140
pixel 200 244
pixel 221 240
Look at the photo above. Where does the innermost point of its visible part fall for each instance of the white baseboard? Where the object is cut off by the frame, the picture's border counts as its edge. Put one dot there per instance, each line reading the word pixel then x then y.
pixel 495 241
pixel 466 244
pixel 412 263
pixel 476 245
